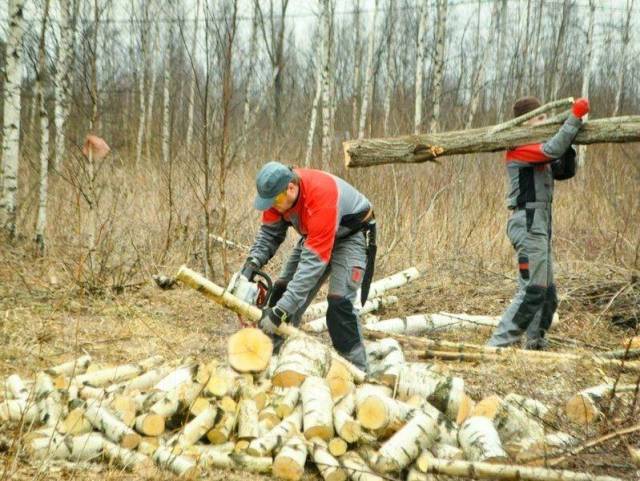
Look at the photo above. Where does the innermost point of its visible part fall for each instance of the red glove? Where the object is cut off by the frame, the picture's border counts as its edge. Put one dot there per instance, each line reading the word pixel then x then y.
pixel 580 107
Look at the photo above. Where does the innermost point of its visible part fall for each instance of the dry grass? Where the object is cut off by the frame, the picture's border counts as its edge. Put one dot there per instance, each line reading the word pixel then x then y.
pixel 447 219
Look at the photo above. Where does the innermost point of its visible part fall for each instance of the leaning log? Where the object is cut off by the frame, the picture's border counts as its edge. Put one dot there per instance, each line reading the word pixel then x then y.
pixel 428 147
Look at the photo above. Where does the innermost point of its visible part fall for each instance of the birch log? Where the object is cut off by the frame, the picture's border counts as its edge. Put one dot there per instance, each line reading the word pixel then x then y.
pixel 586 406
pixel 274 438
pixel 248 427
pixel 222 431
pixel 424 323
pixel 357 468
pixel 214 458
pixel 329 467
pixel 479 440
pixel 287 402
pixel 183 466
pixel 407 443
pixel 480 470
pixel 385 360
pixel 340 380
pixel 289 463
pixel 70 368
pixel 428 147
pixel 75 423
pixel 372 305
pixel 111 426
pixel 345 425
pixel 300 357
pixel 195 429
pixel 376 411
pixel 129 460
pixel 511 422
pixel 249 350
pixel 317 408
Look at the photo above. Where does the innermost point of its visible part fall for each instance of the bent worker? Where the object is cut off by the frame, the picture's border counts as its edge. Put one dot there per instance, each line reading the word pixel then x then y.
pixel 337 240
pixel 531 170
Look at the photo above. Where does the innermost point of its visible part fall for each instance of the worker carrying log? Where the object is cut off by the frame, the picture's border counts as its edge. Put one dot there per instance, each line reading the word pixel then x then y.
pixel 337 241
pixel 531 170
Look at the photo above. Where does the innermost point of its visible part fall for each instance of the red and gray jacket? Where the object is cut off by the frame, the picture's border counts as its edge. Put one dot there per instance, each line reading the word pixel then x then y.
pixel 327 209
pixel 529 171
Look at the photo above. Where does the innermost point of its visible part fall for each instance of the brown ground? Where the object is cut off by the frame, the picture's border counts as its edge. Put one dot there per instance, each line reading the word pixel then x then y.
pixel 43 323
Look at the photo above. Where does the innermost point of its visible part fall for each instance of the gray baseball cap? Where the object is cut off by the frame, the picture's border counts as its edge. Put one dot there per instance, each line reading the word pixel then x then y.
pixel 272 179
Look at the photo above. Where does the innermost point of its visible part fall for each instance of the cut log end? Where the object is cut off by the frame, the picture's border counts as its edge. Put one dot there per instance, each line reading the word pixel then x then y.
pixel 288 379
pixel 322 432
pixel 372 413
pixel 249 350
pixel 582 410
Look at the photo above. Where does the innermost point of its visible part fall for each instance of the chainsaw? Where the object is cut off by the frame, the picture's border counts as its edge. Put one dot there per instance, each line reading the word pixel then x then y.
pixel 254 292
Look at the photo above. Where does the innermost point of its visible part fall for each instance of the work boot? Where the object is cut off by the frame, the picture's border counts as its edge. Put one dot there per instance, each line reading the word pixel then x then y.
pixel 539 344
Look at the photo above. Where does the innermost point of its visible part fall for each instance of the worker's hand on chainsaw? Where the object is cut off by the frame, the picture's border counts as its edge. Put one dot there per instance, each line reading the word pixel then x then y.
pixel 249 269
pixel 580 107
pixel 271 319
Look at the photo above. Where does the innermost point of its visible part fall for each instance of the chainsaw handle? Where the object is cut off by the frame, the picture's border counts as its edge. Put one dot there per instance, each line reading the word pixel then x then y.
pixel 268 283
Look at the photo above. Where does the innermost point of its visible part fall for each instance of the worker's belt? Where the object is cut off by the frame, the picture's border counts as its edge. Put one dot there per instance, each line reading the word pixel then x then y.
pixel 532 205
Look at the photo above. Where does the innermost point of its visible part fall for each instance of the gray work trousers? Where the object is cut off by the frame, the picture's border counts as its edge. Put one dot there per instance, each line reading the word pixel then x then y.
pixel 535 302
pixel 345 271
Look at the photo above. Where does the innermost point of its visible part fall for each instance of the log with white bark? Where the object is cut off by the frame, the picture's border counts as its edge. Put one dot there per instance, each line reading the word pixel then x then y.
pixel 248 428
pixel 447 429
pixel 183 466
pixel 419 324
pixel 406 444
pixel 287 401
pixel 357 468
pixel 511 422
pixel 269 416
pixel 129 460
pixel 264 445
pixel 480 441
pixel 444 392
pixel 379 412
pixel 372 305
pixel 299 358
pixel 340 379
pixel 345 425
pixel 337 446
pixel 223 382
pixel 445 451
pixel 428 147
pixel 289 463
pixel 70 368
pixel 586 406
pixel 317 408
pixel 85 447
pixel 118 373
pixel 329 467
pixel 481 470
pixel 75 423
pixel 376 289
pixel 15 410
pixel 249 350
pixel 534 408
pixel 124 408
pixel 385 360
pixel 150 424
pixel 144 381
pixel 195 429
pixel 16 388
pixel 221 459
pixel 221 432
pixel 530 449
pixel 110 425
pixel 47 444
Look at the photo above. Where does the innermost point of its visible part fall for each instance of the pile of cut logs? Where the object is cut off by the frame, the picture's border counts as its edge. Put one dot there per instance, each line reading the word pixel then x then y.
pixel 280 415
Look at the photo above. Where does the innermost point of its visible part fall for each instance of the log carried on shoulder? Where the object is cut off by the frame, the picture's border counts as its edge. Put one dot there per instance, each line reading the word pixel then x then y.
pixel 428 147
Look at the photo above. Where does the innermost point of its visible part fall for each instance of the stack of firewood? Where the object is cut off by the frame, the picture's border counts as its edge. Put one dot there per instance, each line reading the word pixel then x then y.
pixel 281 415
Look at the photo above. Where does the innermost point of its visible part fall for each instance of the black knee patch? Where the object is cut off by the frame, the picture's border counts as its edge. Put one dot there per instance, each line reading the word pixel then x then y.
pixel 342 324
pixel 550 306
pixel 279 288
pixel 534 299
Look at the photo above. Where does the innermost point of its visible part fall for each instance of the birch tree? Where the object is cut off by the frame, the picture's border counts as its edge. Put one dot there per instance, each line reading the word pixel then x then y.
pixel 192 81
pixel 438 64
pixel 422 35
pixel 41 77
pixel 391 48
pixel 556 69
pixel 316 99
pixel 326 83
pixel 626 35
pixel 63 79
pixel 368 77
pixel 11 127
pixel 253 52
pixel 586 73
pixel 357 60
pixel 166 98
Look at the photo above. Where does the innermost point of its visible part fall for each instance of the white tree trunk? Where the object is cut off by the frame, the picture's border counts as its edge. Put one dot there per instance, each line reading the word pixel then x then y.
pixel 587 72
pixel 623 57
pixel 317 407
pixel 438 64
pixel 166 105
pixel 63 79
pixel 326 84
pixel 368 77
pixel 389 84
pixel 419 324
pixel 192 82
pixel 420 55
pixel 406 444
pixel 479 440
pixel 11 127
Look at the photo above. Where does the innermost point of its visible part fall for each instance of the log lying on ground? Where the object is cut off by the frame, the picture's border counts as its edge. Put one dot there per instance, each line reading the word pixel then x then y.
pixel 264 445
pixel 329 467
pixel 480 441
pixel 529 450
pixel 183 466
pixel 376 290
pixel 385 360
pixel 249 350
pixel 372 305
pixel 511 422
pixel 480 470
pixel 428 147
pixel 357 468
pixel 300 357
pixel 111 426
pixel 378 412
pixel 407 443
pixel 289 463
pixel 340 380
pixel 118 373
pixel 345 425
pixel 424 323
pixel 586 406
pixel 317 407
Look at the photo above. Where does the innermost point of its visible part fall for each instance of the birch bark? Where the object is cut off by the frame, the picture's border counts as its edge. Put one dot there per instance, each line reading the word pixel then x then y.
pixel 417 118
pixel 441 30
pixel 368 84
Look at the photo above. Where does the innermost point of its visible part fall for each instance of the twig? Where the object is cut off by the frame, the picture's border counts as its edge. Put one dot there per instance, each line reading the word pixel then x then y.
pixel 529 115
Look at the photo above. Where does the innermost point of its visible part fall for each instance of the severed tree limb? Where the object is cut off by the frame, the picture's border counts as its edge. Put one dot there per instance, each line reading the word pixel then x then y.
pixel 428 147
pixel 529 115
